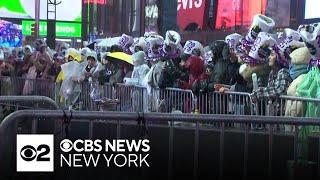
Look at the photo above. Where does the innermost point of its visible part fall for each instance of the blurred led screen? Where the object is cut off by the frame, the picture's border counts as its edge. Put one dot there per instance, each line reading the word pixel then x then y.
pixel 67 10
pixel 312 9
pixel 232 13
pixel 10 34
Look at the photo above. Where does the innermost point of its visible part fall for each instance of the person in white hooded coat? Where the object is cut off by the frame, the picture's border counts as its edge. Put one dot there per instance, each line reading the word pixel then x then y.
pixel 140 69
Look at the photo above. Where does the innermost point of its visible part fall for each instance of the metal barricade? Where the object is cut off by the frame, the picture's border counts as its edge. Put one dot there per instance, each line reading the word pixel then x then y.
pixel 245 152
pixel 132 98
pixel 236 103
pixel 288 106
pixel 171 100
pixel 9 104
pixel 15 86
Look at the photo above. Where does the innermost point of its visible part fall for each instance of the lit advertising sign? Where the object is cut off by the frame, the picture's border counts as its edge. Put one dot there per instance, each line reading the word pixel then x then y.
pixel 67 10
pixel 191 11
pixel 63 29
pixel 312 9
pixel 238 12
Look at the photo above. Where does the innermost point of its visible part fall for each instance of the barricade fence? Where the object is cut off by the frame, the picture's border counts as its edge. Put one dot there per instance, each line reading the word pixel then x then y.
pixel 121 97
pixel 177 151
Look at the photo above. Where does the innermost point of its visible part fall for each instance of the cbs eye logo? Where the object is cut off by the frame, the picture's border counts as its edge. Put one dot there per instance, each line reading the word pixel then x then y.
pixel 34 153
pixel 66 145
pixel 29 153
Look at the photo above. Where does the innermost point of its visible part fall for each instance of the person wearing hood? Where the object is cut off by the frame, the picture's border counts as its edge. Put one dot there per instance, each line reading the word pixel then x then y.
pixel 27 50
pixel 139 44
pixel 140 69
pixel 233 77
pixel 84 53
pixel 7 64
pixel 125 42
pixel 173 72
pixel 113 72
pixel 41 59
pixel 154 56
pixel 92 70
pixel 217 65
pixel 279 77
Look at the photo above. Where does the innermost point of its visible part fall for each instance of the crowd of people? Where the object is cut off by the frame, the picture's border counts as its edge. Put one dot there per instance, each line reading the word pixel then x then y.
pixel 263 62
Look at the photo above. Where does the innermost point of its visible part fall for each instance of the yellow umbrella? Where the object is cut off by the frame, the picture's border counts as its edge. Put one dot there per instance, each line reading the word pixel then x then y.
pixel 121 56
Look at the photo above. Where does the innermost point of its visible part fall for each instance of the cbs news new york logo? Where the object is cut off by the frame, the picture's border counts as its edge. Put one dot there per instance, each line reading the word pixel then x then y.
pixel 35 153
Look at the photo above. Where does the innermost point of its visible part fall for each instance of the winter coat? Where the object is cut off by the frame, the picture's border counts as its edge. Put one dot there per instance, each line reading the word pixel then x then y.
pixel 197 76
pixel 295 108
pixel 173 75
pixel 139 73
pixel 111 74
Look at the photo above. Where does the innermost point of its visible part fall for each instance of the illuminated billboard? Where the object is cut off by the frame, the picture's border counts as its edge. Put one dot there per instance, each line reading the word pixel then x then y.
pixel 10 34
pixel 63 29
pixel 312 9
pixel 67 10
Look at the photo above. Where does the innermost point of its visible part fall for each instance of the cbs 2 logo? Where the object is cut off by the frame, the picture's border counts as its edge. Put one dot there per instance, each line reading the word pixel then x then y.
pixel 29 153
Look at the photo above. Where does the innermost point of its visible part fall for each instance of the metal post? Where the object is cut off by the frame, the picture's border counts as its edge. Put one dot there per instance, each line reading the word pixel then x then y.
pixel 34 122
pixel 270 150
pixel 37 17
pixel 245 158
pixel 170 166
pixel 221 151
pixel 296 148
pixel 196 151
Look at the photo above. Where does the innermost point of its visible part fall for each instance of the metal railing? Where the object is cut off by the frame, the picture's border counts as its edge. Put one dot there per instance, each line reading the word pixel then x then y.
pixel 237 103
pixel 172 100
pixel 151 121
pixel 169 100
pixel 18 86
pixel 29 102
pixel 9 104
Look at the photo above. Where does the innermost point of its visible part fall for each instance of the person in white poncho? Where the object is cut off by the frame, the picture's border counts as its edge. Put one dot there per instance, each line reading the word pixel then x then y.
pixel 140 69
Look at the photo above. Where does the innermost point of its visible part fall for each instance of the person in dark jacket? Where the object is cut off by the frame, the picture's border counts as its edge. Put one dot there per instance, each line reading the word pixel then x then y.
pixel 219 64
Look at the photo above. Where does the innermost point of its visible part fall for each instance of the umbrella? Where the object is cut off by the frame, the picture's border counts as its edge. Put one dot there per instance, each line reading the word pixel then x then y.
pixel 108 42
pixel 121 56
pixel 91 46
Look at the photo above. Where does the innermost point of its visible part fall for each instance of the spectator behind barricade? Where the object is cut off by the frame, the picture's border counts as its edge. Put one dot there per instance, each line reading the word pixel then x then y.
pixel 6 68
pixel 155 52
pixel 70 75
pixel 70 55
pixel 197 74
pixel 92 69
pixel 56 67
pixel 18 58
pixel 172 74
pixel 279 77
pixel 140 69
pixel 27 50
pixel 140 44
pixel 217 58
pixel 125 42
pixel 191 49
pixel 233 78
pixel 84 53
pixel 38 66
pixel 220 59
pixel 111 72
pixel 41 59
